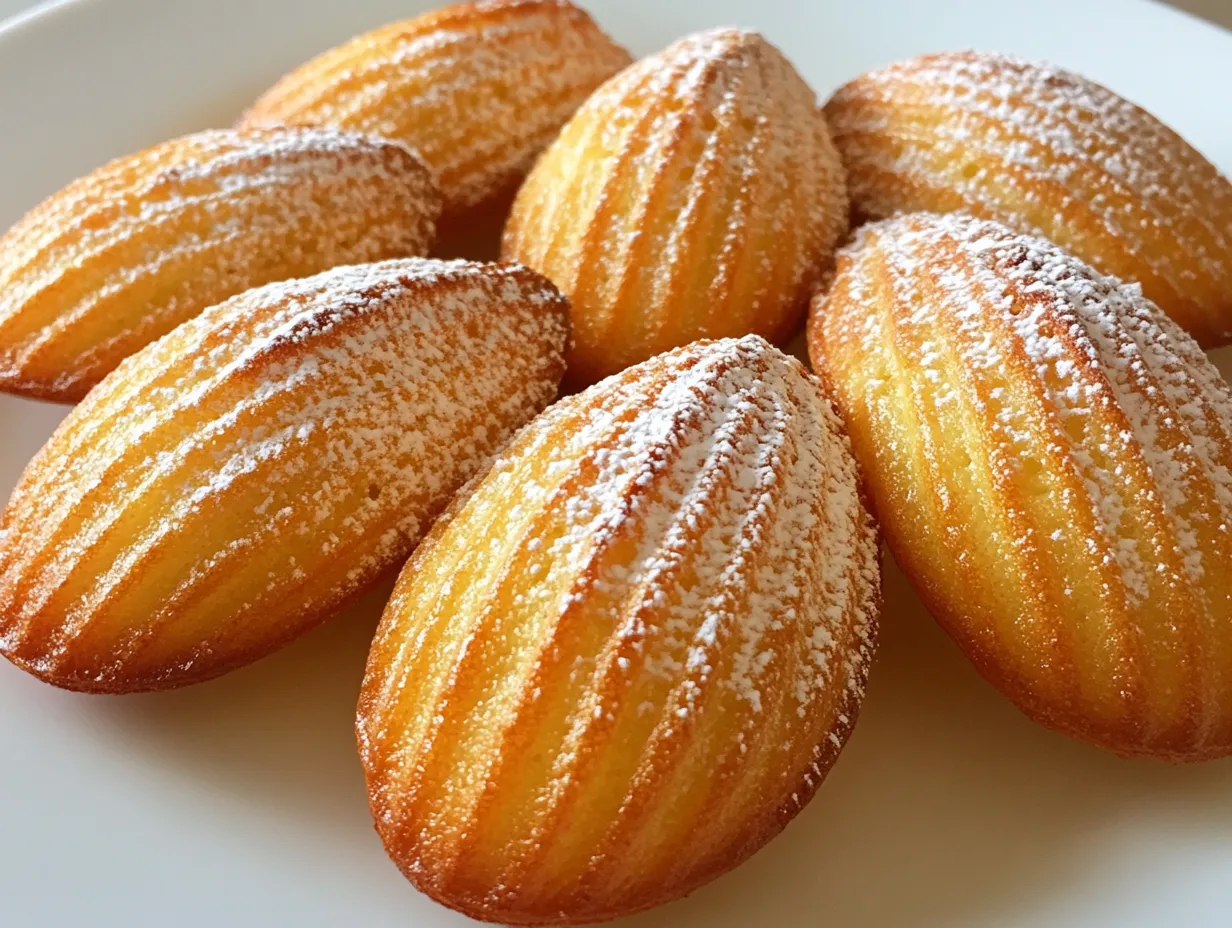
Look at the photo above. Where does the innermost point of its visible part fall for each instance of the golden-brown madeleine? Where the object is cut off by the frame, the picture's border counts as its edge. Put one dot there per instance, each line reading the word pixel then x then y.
pixel 1051 459
pixel 696 194
pixel 478 88
pixel 124 255
pixel 233 484
pixel 1051 153
pixel 626 657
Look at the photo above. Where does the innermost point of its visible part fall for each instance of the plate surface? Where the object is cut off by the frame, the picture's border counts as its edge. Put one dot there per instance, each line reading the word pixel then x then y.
pixel 240 802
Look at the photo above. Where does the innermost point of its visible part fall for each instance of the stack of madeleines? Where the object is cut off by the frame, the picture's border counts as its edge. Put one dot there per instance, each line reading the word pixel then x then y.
pixel 634 629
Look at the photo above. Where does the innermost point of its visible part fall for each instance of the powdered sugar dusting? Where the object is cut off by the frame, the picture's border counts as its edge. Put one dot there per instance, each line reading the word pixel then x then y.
pixel 729 455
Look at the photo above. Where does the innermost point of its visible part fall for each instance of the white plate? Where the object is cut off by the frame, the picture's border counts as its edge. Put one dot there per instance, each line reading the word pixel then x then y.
pixel 240 802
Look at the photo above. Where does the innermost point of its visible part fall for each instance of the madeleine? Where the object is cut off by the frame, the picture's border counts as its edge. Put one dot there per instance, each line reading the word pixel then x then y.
pixel 627 656
pixel 1050 457
pixel 236 482
pixel 695 195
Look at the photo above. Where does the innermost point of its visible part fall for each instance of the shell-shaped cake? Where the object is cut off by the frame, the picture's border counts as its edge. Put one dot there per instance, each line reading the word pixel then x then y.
pixel 695 195
pixel 236 482
pixel 478 88
pixel 627 657
pixel 1050 457
pixel 122 256
pixel 1050 153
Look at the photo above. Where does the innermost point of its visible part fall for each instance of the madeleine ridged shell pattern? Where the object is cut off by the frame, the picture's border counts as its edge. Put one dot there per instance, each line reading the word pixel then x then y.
pixel 697 194
pixel 627 658
pixel 122 256
pixel 232 484
pixel 478 88
pixel 1051 153
pixel 1051 459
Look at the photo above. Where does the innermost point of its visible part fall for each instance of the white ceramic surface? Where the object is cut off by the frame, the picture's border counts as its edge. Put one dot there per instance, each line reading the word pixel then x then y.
pixel 240 802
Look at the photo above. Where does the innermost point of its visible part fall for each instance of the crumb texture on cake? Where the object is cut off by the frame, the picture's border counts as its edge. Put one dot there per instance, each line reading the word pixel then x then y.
pixel 1051 460
pixel 695 195
pixel 477 88
pixel 123 255
pixel 232 484
pixel 627 656
pixel 1047 152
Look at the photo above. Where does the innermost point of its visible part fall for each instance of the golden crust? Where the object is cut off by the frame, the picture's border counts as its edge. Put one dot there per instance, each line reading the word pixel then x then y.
pixel 231 485
pixel 1051 460
pixel 696 194
pixel 122 256
pixel 478 88
pixel 627 656
pixel 1046 152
